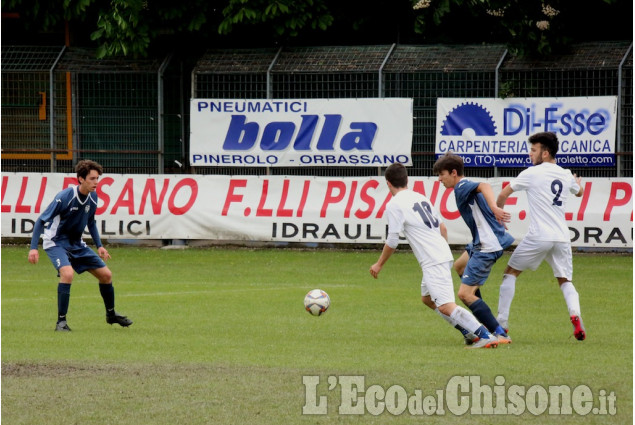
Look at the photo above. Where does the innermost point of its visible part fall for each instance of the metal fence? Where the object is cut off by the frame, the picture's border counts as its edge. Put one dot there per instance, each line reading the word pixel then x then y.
pixel 130 115
pixel 61 104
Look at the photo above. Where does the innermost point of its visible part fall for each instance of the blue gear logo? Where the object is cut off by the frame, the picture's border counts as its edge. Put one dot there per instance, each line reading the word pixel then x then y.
pixel 466 116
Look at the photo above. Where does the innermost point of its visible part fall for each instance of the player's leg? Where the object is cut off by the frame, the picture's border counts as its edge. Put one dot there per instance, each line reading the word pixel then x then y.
pixel 476 272
pixel 527 255
pixel 464 319
pixel 107 291
pixel 437 287
pixel 461 263
pixel 506 294
pixel 65 272
pixel 88 260
pixel 427 300
pixel 560 260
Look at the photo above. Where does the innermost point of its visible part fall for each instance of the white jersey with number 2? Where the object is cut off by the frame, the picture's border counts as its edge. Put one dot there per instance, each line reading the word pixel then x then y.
pixel 413 214
pixel 548 186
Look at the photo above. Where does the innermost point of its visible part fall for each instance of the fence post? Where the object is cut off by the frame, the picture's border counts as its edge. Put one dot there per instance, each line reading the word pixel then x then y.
pixel 269 88
pixel 618 148
pixel 52 113
pixel 498 65
pixel 381 92
pixel 160 119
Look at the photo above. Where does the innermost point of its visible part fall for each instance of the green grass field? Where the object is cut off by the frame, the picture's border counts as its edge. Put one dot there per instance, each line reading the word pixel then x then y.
pixel 220 337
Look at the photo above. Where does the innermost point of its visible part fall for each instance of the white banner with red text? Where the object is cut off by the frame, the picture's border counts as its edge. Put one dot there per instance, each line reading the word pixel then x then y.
pixel 292 209
pixel 303 132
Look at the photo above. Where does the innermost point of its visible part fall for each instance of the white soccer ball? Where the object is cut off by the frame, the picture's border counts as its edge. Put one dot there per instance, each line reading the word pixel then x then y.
pixel 317 302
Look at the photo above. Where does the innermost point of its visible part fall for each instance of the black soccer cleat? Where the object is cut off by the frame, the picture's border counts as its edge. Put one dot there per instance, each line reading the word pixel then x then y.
pixel 62 326
pixel 119 319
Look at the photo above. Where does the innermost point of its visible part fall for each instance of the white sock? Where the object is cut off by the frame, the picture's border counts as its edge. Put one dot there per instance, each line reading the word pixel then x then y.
pixel 571 297
pixel 505 297
pixel 446 317
pixel 465 319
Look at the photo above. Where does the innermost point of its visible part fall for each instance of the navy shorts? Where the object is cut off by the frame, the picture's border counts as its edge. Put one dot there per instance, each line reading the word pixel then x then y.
pixel 479 266
pixel 81 258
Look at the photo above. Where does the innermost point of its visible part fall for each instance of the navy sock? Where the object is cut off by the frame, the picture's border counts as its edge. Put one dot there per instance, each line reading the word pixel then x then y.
pixel 462 330
pixel 108 294
pixel 63 299
pixel 481 332
pixel 484 315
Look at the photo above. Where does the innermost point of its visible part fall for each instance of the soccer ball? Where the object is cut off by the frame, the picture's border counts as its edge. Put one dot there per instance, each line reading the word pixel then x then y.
pixel 317 302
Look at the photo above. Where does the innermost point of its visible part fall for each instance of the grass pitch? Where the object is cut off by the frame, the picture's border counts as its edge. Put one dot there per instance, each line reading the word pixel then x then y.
pixel 220 337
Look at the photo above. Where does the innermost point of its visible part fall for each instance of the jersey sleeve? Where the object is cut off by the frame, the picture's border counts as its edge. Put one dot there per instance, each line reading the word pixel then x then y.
pixel 47 215
pixel 575 187
pixel 92 225
pixel 396 221
pixel 464 188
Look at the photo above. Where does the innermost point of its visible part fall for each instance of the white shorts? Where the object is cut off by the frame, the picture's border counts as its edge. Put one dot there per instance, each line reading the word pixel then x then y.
pixel 529 254
pixel 437 283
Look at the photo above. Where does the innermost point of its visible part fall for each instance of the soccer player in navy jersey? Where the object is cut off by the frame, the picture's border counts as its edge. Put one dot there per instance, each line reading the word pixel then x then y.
pixel 413 214
pixel 548 186
pixel 485 219
pixel 63 223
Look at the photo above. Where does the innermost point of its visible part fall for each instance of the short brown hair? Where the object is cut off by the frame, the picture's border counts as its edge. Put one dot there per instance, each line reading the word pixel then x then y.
pixel 548 140
pixel 448 162
pixel 84 167
pixel 397 175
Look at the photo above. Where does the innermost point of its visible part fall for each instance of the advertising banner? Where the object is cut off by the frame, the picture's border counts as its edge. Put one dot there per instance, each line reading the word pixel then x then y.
pixel 296 133
pixel 494 132
pixel 293 209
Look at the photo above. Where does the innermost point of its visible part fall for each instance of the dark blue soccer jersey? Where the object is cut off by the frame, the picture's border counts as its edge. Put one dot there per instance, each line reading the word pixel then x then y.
pixel 488 235
pixel 65 220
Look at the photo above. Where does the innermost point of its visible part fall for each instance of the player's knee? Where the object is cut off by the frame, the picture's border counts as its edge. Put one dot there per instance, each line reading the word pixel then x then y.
pixel 465 295
pixel 428 301
pixel 66 274
pixel 447 308
pixel 104 275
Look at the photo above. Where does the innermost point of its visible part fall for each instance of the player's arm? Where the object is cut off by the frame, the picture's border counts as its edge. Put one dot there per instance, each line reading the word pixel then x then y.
pixel 502 197
pixel 578 180
pixel 501 215
pixel 94 233
pixel 38 227
pixel 444 231
pixel 34 255
pixel 389 248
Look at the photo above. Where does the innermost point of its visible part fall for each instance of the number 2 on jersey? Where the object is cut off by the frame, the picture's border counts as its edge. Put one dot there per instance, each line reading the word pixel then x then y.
pixel 556 189
pixel 425 211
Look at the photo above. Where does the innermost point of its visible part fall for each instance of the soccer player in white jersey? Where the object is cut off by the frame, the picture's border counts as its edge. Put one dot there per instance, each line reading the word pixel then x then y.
pixel 63 223
pixel 477 205
pixel 548 186
pixel 413 214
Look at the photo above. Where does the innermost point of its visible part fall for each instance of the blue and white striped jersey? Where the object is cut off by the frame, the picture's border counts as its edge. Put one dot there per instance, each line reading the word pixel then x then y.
pixel 65 220
pixel 488 235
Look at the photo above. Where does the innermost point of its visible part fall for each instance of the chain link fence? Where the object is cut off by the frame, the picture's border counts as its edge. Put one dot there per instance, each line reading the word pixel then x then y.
pixel 61 104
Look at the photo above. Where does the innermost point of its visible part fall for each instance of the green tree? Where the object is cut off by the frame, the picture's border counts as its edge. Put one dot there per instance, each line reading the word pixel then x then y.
pixel 132 27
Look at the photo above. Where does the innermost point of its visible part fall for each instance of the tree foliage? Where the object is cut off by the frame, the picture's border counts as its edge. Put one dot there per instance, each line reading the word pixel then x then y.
pixel 131 27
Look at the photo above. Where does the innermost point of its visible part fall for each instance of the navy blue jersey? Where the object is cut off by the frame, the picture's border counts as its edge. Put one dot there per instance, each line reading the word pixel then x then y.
pixel 65 220
pixel 488 235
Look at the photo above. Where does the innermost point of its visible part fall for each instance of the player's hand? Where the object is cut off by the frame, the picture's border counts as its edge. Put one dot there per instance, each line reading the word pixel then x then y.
pixel 103 253
pixel 34 256
pixel 502 216
pixel 374 270
pixel 578 179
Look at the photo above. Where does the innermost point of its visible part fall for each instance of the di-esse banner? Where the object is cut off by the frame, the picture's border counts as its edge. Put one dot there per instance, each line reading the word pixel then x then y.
pixel 494 132
pixel 309 132
pixel 291 209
